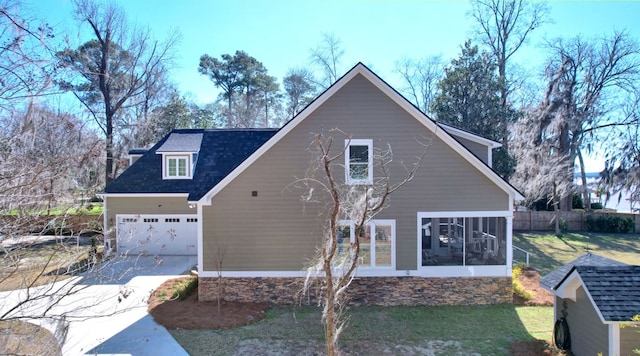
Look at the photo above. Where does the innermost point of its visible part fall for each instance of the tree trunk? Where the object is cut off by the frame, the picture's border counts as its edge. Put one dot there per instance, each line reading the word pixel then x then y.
pixel 585 190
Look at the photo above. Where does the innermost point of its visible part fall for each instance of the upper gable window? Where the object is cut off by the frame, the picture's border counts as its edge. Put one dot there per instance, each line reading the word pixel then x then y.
pixel 359 161
pixel 177 167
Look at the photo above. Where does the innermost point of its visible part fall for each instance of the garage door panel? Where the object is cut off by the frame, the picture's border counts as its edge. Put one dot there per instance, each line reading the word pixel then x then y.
pixel 157 234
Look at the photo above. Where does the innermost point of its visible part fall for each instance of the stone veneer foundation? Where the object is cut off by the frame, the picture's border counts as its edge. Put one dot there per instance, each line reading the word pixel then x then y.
pixel 365 291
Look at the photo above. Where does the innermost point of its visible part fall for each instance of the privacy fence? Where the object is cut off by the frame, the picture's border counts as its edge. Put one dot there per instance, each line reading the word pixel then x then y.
pixel 575 221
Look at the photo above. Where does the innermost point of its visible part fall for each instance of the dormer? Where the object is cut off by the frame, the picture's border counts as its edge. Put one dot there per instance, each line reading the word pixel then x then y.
pixel 481 147
pixel 180 155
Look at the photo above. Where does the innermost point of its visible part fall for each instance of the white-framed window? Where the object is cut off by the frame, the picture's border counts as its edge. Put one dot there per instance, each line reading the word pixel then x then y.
pixel 177 167
pixel 377 240
pixel 358 161
pixel 462 239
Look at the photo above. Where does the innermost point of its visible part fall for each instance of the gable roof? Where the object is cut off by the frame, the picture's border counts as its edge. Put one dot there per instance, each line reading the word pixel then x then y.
pixel 360 69
pixel 220 151
pixel 613 290
pixel 551 280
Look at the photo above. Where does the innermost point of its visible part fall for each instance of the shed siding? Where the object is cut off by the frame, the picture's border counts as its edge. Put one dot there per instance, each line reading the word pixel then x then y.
pixel 588 334
pixel 142 205
pixel 629 340
pixel 275 230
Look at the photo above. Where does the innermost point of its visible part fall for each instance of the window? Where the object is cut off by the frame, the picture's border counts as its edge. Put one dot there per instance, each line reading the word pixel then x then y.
pixel 462 240
pixel 376 240
pixel 359 161
pixel 177 167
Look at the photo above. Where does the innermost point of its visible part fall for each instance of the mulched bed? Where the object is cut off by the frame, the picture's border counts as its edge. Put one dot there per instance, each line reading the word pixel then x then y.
pixel 192 314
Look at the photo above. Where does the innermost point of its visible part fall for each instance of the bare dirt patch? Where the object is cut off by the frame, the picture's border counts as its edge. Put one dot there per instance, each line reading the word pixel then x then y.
pixel 191 314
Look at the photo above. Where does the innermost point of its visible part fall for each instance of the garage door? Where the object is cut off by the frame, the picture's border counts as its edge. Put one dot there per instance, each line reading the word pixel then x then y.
pixel 157 234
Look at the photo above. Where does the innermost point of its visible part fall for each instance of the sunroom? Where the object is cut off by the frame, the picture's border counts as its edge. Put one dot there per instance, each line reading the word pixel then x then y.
pixel 462 239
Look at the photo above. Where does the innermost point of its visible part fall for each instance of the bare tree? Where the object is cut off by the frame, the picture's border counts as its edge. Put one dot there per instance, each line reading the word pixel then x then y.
pixel 589 84
pixel 503 26
pixel 421 79
pixel 622 167
pixel 357 203
pixel 114 67
pixel 327 56
pixel 25 62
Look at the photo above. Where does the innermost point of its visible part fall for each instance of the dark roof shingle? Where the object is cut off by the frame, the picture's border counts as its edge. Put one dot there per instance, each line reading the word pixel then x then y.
pixel 219 152
pixel 551 280
pixel 614 290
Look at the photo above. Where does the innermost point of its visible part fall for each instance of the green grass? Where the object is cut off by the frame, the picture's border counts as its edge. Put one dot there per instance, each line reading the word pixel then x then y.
pixel 89 209
pixel 487 330
pixel 550 251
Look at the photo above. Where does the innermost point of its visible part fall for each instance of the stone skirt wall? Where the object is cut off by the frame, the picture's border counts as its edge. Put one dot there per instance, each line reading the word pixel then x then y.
pixel 364 291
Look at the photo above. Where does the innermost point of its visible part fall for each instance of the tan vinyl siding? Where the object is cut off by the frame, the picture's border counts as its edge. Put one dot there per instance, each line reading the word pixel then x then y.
pixel 276 231
pixel 480 150
pixel 143 205
pixel 588 334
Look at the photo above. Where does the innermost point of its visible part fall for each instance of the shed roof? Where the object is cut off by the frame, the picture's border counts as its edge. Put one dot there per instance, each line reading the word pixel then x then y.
pixel 551 280
pixel 615 290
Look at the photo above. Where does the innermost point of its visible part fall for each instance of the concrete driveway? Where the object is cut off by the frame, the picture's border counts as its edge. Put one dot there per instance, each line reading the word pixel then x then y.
pixel 106 308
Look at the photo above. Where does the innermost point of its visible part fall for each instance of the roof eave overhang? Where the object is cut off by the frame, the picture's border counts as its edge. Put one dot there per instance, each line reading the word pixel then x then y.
pixel 142 195
pixel 361 69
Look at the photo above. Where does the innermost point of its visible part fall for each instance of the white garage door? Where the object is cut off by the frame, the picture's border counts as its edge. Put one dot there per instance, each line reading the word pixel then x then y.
pixel 157 234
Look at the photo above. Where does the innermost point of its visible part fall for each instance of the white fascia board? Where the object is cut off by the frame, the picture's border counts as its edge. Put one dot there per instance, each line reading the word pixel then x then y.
pixel 568 287
pixel 465 214
pixel 143 195
pixel 175 153
pixel 399 100
pixel 470 136
pixel 423 272
pixel 200 242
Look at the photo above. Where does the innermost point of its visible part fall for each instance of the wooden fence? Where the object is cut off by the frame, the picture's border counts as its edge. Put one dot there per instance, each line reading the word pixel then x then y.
pixel 545 220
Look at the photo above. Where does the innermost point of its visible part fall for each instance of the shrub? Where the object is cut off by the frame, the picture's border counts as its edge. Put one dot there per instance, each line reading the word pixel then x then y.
pixel 576 202
pixel 564 225
pixel 518 289
pixel 596 206
pixel 609 223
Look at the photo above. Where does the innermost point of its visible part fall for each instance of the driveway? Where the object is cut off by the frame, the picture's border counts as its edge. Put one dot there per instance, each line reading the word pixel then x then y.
pixel 106 310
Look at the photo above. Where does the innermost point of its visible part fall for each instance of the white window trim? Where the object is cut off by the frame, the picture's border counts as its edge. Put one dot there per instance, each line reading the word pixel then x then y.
pixel 385 222
pixel 347 164
pixel 468 270
pixel 165 165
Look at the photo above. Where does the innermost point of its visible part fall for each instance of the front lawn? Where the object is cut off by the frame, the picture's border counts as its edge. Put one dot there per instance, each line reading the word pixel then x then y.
pixel 549 251
pixel 455 330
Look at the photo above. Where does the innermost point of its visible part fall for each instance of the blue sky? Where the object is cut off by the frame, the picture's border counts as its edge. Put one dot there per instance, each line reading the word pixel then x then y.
pixel 378 33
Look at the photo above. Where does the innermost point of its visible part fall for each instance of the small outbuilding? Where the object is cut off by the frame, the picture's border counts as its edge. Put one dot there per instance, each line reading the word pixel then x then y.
pixel 595 297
